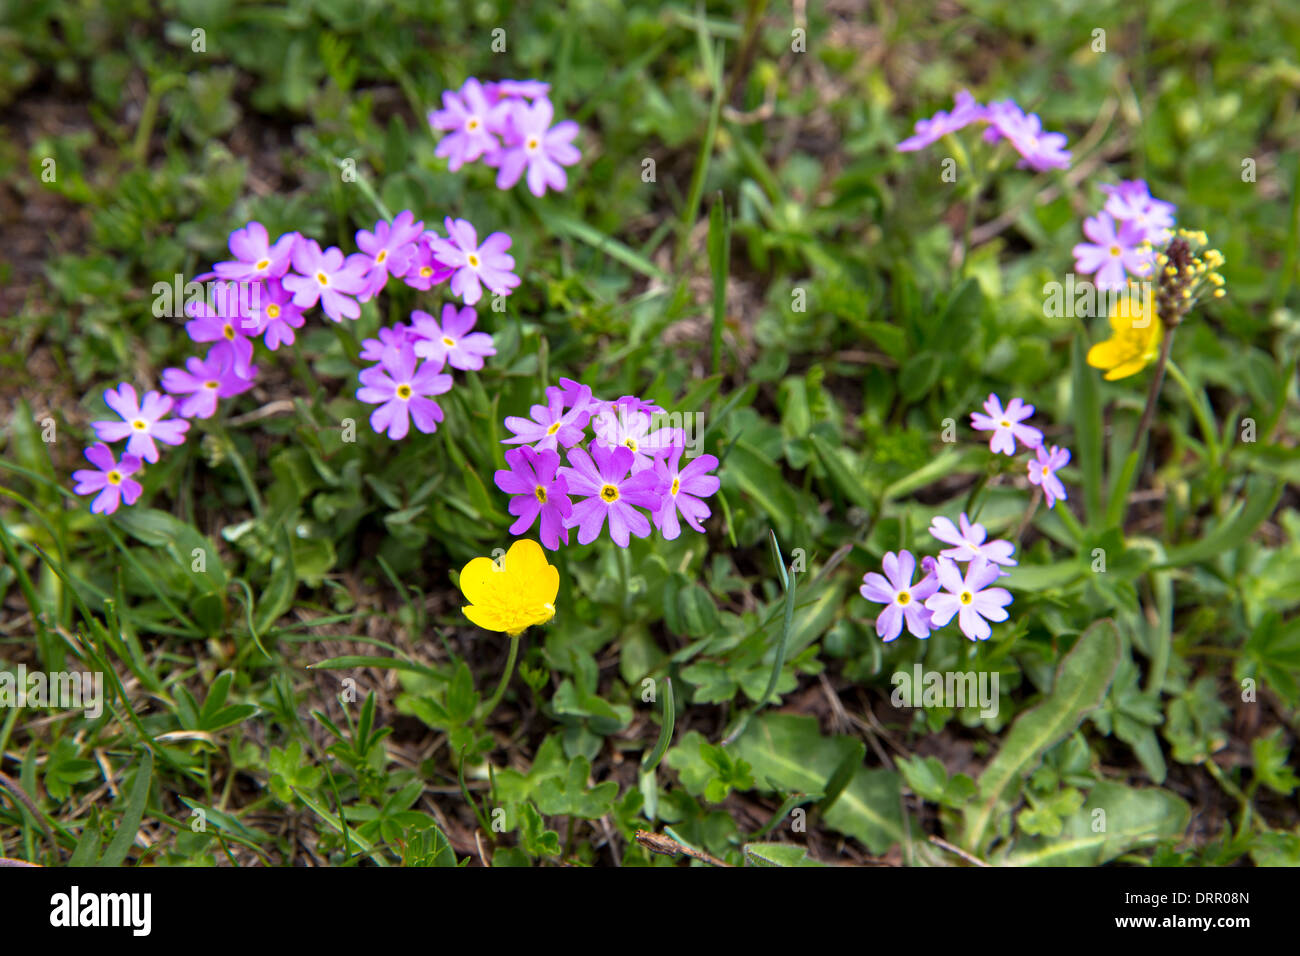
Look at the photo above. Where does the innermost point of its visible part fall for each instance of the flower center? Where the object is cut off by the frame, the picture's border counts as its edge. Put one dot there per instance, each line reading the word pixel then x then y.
pixel 631 443
pixel 1114 250
pixel 383 254
pixel 1046 471
pixel 555 427
pixel 472 260
pixel 139 424
pixel 965 597
pixel 540 492
pixel 211 385
pixel 273 311
pixel 1004 423
pixel 450 343
pixel 903 598
pixel 425 272
pixel 228 331
pixel 403 391
pixel 609 493
pixel 533 144
pixel 262 264
pixel 472 123
pixel 677 486
pixel 114 477
pixel 322 278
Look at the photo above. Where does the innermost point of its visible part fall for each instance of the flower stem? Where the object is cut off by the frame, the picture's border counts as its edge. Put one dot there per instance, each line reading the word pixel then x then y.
pixel 495 699
pixel 1029 513
pixel 1119 494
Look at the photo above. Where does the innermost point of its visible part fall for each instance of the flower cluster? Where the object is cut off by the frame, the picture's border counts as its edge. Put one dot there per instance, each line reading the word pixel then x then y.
pixel 508 126
pixel 945 591
pixel 1004 120
pixel 628 464
pixel 1008 427
pixel 1124 235
pixel 265 290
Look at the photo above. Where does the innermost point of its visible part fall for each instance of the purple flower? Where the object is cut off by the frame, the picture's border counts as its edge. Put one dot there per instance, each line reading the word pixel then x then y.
pixel 532 143
pixel 452 342
pixel 255 256
pixel 488 263
pixel 551 424
pixel 527 89
pixel 971 599
pixel 905 602
pixel 394 337
pixel 626 424
pixel 426 269
pixel 1112 251
pixel 203 381
pixel 968 543
pixel 682 490
pixel 538 491
pixel 109 479
pixel 276 315
pixel 1131 201
pixel 141 423
pixel 1043 472
pixel 389 250
pixel 403 388
pixel 574 395
pixel 1005 425
pixel 223 321
pixel 472 118
pixel 326 278
pixel 965 111
pixel 1040 151
pixel 611 494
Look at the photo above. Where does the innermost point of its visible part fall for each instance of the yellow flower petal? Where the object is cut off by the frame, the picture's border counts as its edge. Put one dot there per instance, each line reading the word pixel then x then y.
pixel 515 594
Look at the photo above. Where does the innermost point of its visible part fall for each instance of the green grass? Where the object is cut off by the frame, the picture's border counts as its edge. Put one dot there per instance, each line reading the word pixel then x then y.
pixel 820 298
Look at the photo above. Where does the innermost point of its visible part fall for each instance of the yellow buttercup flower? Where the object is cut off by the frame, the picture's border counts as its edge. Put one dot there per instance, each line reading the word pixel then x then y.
pixel 513 594
pixel 1134 343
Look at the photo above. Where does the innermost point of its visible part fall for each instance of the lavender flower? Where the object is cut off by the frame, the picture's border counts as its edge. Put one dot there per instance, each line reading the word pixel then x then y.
pixel 109 481
pixel 683 489
pixel 905 601
pixel 621 423
pixel 551 424
pixel 1115 251
pixel 141 422
pixel 393 337
pixel 389 250
pixel 276 315
pixel 965 111
pixel 612 494
pixel 970 599
pixel 1043 472
pixel 532 143
pixel 256 257
pixel 452 341
pixel 968 543
pixel 471 118
pixel 223 323
pixel 1131 201
pixel 487 264
pixel 403 388
pixel 538 491
pixel 203 381
pixel 1039 151
pixel 1006 425
pixel 325 277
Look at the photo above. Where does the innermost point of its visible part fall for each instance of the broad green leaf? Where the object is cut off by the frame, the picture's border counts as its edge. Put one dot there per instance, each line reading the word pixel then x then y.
pixel 778 854
pixel 1082 680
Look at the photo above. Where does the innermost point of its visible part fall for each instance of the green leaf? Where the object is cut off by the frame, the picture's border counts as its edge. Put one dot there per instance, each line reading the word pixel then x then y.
pixel 778 854
pixel 1082 680
pixel 1086 394
pixel 1258 500
pixel 129 824
pixel 1130 818
pixel 849 484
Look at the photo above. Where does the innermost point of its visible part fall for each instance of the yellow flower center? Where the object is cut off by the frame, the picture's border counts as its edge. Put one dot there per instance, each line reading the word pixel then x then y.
pixel 114 477
pixel 677 486
pixel 609 493
pixel 1046 471
pixel 903 598
pixel 403 391
pixel 322 278
pixel 273 311
pixel 472 124
pixel 1114 250
pixel 425 272
pixel 211 385
pixel 228 331
pixel 1004 423
pixel 139 424
pixel 540 492
pixel 472 260
pixel 262 264
pixel 383 254
pixel 965 597
pixel 631 443
pixel 555 427
pixel 450 343
pixel 533 143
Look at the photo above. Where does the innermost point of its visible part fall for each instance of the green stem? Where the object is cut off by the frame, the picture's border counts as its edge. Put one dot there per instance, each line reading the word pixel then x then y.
pixel 1205 423
pixel 1119 494
pixel 245 476
pixel 495 699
